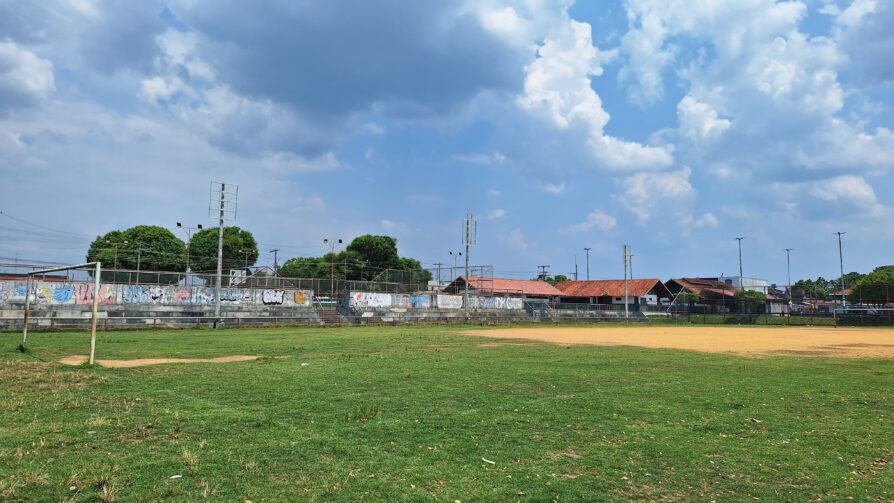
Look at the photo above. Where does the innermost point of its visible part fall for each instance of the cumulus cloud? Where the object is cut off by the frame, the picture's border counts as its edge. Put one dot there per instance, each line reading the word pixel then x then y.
pixel 595 220
pixel 25 78
pixel 644 193
pixel 698 121
pixel 558 87
pixel 831 197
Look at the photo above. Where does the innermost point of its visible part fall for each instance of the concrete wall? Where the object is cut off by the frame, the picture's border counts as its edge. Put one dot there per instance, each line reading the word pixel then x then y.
pixel 358 300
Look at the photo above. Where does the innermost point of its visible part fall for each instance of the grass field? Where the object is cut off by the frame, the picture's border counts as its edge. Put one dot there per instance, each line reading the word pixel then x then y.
pixel 410 414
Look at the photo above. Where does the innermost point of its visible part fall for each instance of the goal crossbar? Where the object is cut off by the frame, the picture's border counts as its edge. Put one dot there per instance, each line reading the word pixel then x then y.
pixel 97 267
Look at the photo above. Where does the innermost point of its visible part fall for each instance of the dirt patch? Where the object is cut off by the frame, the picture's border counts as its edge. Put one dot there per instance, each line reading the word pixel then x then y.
pixel 142 362
pixel 754 341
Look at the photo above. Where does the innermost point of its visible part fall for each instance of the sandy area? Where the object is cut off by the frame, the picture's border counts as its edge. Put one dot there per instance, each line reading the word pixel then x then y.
pixel 811 341
pixel 142 362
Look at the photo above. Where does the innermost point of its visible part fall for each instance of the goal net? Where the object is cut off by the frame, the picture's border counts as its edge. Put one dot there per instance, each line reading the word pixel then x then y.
pixel 36 284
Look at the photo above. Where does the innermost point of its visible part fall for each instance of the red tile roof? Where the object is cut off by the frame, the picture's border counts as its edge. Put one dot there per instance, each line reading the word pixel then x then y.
pixel 701 287
pixel 513 286
pixel 607 287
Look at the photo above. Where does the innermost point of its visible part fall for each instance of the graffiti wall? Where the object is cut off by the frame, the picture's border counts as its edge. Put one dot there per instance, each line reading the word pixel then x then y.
pixel 450 301
pixel 369 299
pixel 82 293
pixel 399 300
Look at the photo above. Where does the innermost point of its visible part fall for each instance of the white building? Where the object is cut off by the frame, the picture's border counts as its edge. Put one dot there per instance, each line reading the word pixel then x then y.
pixel 752 284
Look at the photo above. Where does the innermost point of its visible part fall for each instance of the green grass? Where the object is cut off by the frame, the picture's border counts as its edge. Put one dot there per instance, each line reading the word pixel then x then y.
pixel 407 414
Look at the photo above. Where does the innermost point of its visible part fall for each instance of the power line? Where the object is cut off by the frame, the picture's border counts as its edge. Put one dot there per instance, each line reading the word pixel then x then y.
pixel 17 219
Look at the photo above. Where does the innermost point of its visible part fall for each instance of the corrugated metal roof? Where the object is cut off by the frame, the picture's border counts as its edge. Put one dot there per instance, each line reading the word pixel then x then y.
pixel 606 287
pixel 513 286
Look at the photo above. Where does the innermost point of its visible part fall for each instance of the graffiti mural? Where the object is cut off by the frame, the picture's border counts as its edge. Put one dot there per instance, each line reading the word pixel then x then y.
pixel 366 299
pixel 82 293
pixel 273 297
pixel 420 301
pixel 450 301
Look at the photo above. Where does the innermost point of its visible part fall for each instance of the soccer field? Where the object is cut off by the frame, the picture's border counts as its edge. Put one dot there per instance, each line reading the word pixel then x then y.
pixel 436 414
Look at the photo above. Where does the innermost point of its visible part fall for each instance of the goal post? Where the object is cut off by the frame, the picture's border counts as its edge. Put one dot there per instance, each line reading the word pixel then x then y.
pixel 96 267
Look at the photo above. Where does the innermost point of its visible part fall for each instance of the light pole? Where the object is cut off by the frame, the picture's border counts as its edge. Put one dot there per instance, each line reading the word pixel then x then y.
pixel 116 246
pixel 333 243
pixel 588 262
pixel 188 230
pixel 275 253
pixel 788 266
pixel 841 265
pixel 741 285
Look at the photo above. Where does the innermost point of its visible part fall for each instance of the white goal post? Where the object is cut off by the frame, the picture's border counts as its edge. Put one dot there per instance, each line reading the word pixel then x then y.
pixel 97 269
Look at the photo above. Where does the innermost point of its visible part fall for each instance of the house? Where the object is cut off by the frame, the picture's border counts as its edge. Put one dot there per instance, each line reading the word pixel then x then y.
pixel 752 284
pixel 640 292
pixel 503 286
pixel 706 288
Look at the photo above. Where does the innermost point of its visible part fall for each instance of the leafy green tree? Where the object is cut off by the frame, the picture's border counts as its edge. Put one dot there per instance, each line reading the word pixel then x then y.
pixel 302 267
pixel 144 247
pixel 751 301
pixel 380 252
pixel 239 250
pixel 875 288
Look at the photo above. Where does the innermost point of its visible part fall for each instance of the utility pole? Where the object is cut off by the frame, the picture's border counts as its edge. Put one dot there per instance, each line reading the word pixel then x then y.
pixel 741 284
pixel 470 234
pixel 588 262
pixel 575 268
pixel 275 253
pixel 543 272
pixel 139 256
pixel 841 265
pixel 788 267
pixel 222 207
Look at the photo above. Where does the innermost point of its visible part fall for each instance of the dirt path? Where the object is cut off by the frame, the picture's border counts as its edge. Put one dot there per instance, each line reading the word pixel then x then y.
pixel 142 362
pixel 811 341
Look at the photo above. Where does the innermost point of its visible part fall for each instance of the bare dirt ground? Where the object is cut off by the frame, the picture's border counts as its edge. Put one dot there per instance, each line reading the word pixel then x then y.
pixel 142 362
pixel 753 341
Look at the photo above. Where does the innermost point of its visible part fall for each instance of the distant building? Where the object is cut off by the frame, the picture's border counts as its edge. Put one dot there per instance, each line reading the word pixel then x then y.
pixel 640 292
pixel 503 286
pixel 751 284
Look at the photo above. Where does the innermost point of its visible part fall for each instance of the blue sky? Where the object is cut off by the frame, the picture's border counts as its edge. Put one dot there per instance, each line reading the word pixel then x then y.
pixel 671 126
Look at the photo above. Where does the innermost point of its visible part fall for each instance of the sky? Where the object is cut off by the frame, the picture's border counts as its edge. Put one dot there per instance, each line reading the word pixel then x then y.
pixel 671 126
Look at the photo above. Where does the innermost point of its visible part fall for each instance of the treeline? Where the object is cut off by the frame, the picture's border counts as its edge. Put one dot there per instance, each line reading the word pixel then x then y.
pixel 366 258
pixel 878 285
pixel 155 248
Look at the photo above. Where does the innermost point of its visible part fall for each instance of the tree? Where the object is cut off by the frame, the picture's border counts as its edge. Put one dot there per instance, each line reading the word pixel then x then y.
pixel 380 252
pixel 144 247
pixel 239 250
pixel 875 288
pixel 751 301
pixel 302 267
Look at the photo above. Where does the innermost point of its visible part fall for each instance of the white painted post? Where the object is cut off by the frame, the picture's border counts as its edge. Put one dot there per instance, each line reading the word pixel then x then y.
pixel 95 311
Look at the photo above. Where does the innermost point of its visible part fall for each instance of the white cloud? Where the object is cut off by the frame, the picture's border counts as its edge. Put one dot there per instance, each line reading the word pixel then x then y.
pixel 595 220
pixel 515 239
pixel 558 88
pixel 698 120
pixel 25 78
pixel 496 214
pixel 552 188
pixel 483 159
pixel 645 193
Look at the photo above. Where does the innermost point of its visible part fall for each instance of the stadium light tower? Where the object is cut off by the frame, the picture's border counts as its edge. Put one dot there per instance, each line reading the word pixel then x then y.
pixel 841 265
pixel 333 243
pixel 188 230
pixel 741 284
pixel 788 266
pixel 456 255
pixel 588 262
